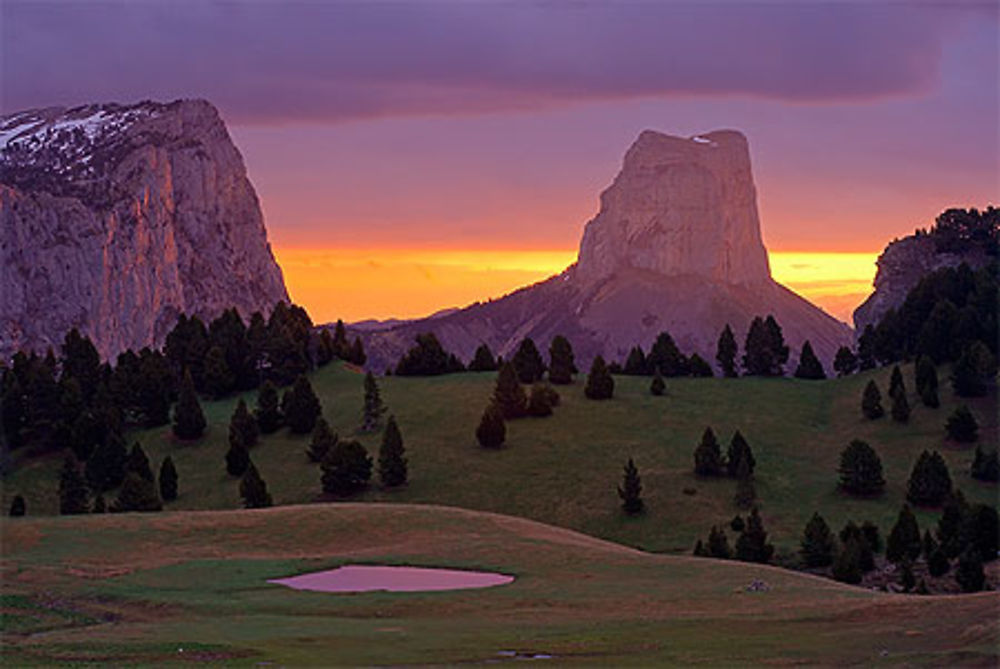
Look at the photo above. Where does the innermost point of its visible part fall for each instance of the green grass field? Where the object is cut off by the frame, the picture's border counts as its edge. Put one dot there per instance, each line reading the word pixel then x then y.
pixel 563 470
pixel 190 588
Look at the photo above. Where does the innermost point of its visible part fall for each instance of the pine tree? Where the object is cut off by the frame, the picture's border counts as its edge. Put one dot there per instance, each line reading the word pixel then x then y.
pixel 325 351
pixel 765 352
pixel 341 348
pixel 739 450
pixel 870 532
pixel 871 402
pixel 100 506
pixel 528 362
pixel 906 578
pixel 809 365
pixel 600 385
pixel 253 489
pixel 373 407
pixel 635 363
pixel 657 387
pixel 927 382
pixel 962 426
pixel 904 539
pixel 969 573
pixel 168 480
pixel 138 462
pixel 951 524
pixel 981 531
pixel 483 360
pixel 860 469
pixel 866 555
pixel 699 550
pixel 866 348
pixel 323 439
pixel 630 490
pixel 972 371
pixel 541 400
pixel 491 432
pixel 346 468
pixel 137 494
pixel 189 421
pixel 930 482
pixel 985 466
pixel 357 355
pixel 698 368
pixel 896 381
pixel 708 455
pixel 900 407
pixel 818 545
pixel 301 407
pixel 928 545
pixel 238 456
pixel 219 378
pixel 73 493
pixel 391 460
pixel 937 563
pixel 242 422
pixel 845 363
pixel 105 469
pixel 752 544
pixel 17 507
pixel 562 364
pixel 666 357
pixel 746 492
pixel 737 523
pixel 268 412
pixel 508 395
pixel 847 565
pixel 725 352
pixel 718 544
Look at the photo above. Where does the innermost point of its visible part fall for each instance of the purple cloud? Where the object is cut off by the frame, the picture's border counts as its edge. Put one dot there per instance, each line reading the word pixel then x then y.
pixel 276 62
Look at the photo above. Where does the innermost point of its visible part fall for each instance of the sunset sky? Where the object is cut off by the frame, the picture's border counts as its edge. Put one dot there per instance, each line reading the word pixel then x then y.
pixel 416 156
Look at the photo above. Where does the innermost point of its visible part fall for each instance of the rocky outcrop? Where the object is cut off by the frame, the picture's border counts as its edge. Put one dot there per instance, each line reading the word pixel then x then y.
pixel 676 246
pixel 115 219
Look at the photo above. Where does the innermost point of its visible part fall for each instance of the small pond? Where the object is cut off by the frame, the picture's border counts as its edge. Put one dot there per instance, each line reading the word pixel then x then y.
pixel 364 578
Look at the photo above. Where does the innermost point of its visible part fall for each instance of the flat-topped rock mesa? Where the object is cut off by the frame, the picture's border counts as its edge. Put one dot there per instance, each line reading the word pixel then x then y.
pixel 116 218
pixel 676 246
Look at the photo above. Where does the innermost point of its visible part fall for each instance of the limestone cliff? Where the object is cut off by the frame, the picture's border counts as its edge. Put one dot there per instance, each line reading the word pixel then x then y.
pixel 114 219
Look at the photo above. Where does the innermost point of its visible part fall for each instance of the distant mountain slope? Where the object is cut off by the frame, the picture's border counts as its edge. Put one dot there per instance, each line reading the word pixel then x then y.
pixel 114 219
pixel 676 246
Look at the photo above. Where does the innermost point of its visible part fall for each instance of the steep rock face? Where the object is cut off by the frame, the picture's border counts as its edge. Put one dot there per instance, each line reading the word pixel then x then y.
pixel 676 246
pixel 115 219
pixel 900 267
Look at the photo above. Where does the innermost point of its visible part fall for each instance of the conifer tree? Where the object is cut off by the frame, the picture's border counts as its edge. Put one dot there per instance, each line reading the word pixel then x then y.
pixel 562 364
pixel 737 523
pixel 630 490
pixel 508 395
pixel 636 365
pixel 268 412
pixel 392 466
pixel 138 462
pixel 860 469
pixel 739 450
pixel 870 532
pixel 100 506
pixel 698 367
pixel 809 365
pixel 600 385
pixel 866 348
pixel 253 489
pixel 847 565
pixel 971 373
pixel 105 469
pixel 238 456
pixel 900 407
pixel 718 544
pixel 189 421
pixel 373 406
pixel 871 402
pixel 764 353
pixel 930 482
pixel 752 544
pixel 17 507
pixel 242 422
pixel 981 531
pixel 927 382
pixel 137 494
pixel 666 357
pixel 866 553
pixel 725 352
pixel 541 400
pixel 896 381
pixel 325 351
pixel 301 407
pixel 904 539
pixel 73 493
pixel 952 523
pixel 969 573
pixel 906 578
pixel 483 360
pixel 168 480
pixel 708 455
pixel 528 362
pixel 937 563
pixel 845 363
pixel 657 386
pixel 341 347
pixel 357 355
pixel 219 378
pixel 323 439
pixel 962 426
pixel 746 491
pixel 817 546
pixel 346 468
pixel 491 432
pixel 985 465
pixel 699 550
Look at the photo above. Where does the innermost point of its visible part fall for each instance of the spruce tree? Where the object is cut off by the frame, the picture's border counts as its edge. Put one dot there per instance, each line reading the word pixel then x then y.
pixel 491 432
pixel 871 402
pixel 698 368
pixel 17 507
pixel 937 563
pixel 739 450
pixel 708 455
pixel 253 489
pixel 238 456
pixel 562 364
pixel 866 348
pixel 930 482
pixel 325 351
pixel 168 480
pixel 391 459
pixel 907 580
pixel 962 426
pixel 746 492
pixel 699 549
pixel 981 531
pixel 323 439
pixel 737 523
pixel 373 407
pixel 483 360
pixel 528 362
pixel 866 552
pixel 137 494
pixel 138 462
pixel 718 544
pixel 900 407
pixel 847 565
pixel 105 469
pixel 341 347
pixel 268 411
pixel 657 386
pixel 357 355
pixel 346 468
pixel 189 421
pixel 950 526
pixel 635 363
pixel 666 357
pixel 969 573
pixel 904 539
pixel 74 498
pixel 817 545
pixel 860 469
pixel 219 378
pixel 301 407
pixel 809 365
pixel 541 400
pixel 752 544
pixel 896 381
pixel 870 532
pixel 600 385
pixel 845 362
pixel 985 465
pixel 725 352
pixel 972 371
pixel 927 382
pixel 630 490
pixel 100 506
pixel 508 395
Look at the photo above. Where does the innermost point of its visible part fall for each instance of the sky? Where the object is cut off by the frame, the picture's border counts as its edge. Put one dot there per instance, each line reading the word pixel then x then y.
pixel 415 156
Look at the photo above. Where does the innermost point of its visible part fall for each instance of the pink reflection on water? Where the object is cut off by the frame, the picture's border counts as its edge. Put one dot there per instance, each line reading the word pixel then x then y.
pixel 360 578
